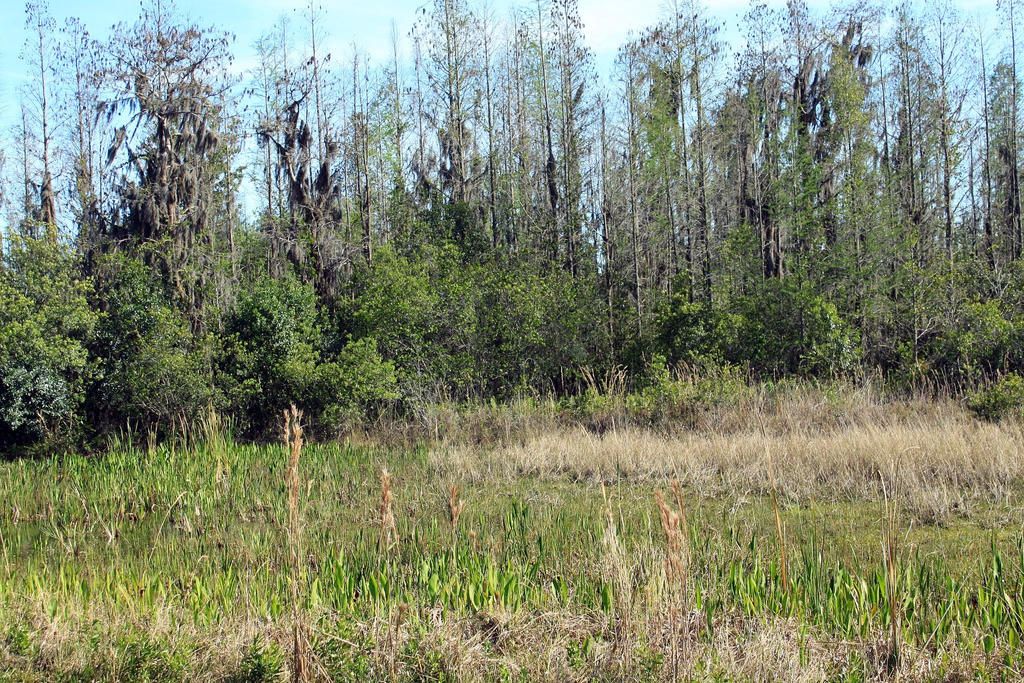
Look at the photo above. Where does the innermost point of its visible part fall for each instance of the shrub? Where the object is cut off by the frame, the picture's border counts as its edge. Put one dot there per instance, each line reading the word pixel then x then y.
pixel 786 329
pixel 271 351
pixel 777 329
pixel 830 345
pixel 155 371
pixel 46 325
pixel 695 332
pixel 981 340
pixel 261 661
pixel 452 328
pixel 532 329
pixel 354 384
pixel 1003 398
pixel 275 354
pixel 405 306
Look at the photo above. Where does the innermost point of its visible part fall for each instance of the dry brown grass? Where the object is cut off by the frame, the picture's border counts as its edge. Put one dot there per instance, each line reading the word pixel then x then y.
pixel 712 403
pixel 293 442
pixel 529 645
pixel 673 525
pixel 947 461
pixel 388 530
pixel 455 507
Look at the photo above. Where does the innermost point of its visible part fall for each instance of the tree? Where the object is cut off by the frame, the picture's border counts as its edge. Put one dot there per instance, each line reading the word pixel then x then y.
pixel 168 83
pixel 39 57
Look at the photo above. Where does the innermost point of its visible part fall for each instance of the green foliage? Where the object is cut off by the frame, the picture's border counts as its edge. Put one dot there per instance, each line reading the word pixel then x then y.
pixel 271 351
pixel 665 396
pixel 416 311
pixel 18 641
pixel 776 330
pixel 46 324
pixel 155 370
pixel 695 332
pixel 354 384
pixel 348 655
pixel 452 226
pixel 1001 399
pixel 829 344
pixel 788 330
pixel 452 328
pixel 274 355
pixel 981 341
pixel 532 329
pixel 261 662
pixel 142 658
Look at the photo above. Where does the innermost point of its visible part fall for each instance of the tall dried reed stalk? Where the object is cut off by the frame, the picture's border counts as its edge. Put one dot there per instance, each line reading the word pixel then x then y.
pixel 670 525
pixel 214 436
pixel 293 442
pixel 613 382
pixel 393 638
pixel 3 550
pixel 673 524
pixel 388 531
pixel 455 505
pixel 780 533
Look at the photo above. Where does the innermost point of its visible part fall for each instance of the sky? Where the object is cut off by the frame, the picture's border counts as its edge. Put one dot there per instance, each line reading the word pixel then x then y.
pixel 368 23
pixel 607 24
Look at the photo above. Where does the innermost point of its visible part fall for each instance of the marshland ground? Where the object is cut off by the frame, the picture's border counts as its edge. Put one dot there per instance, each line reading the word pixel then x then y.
pixel 769 271
pixel 761 533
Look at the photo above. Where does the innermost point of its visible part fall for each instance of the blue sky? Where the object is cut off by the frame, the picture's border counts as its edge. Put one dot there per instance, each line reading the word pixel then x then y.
pixel 607 24
pixel 367 22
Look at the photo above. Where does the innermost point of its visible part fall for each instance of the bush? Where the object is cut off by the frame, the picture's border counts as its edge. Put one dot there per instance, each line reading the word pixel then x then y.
pixel 786 329
pixel 45 328
pixel 271 352
pixel 1001 399
pixel 416 310
pixel 698 333
pixel 275 354
pixel 777 330
pixel 980 341
pixel 354 385
pixel 457 329
pixel 261 661
pixel 532 329
pixel 155 371
pixel 830 346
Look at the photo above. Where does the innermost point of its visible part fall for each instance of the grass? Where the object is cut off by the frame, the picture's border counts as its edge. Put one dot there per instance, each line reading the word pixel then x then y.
pixel 948 465
pixel 891 544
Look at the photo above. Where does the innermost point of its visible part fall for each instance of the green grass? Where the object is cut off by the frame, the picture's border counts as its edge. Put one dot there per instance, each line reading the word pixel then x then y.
pixel 166 562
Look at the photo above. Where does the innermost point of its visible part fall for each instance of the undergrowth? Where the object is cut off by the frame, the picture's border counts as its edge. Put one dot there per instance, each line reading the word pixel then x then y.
pixel 167 561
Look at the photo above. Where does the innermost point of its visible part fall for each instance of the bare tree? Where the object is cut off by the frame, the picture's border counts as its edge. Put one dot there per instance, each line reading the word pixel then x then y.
pixel 39 56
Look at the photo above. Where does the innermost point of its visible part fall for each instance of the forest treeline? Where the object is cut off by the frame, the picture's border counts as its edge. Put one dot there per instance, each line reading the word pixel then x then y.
pixel 484 214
